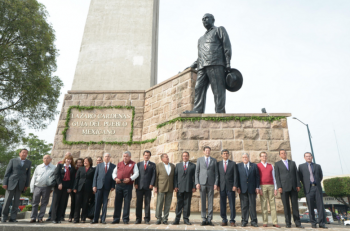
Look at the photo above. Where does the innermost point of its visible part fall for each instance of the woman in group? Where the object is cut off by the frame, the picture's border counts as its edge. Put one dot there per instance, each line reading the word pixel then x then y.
pixel 78 164
pixel 64 174
pixel 83 189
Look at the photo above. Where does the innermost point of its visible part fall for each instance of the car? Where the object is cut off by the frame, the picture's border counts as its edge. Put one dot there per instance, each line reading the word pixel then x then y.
pixel 346 222
pixel 306 219
pixel 23 202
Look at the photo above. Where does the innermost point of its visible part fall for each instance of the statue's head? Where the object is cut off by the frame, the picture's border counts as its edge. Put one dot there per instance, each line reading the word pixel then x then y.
pixel 208 21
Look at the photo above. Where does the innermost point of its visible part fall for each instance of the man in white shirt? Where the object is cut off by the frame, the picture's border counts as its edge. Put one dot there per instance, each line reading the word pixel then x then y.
pixel 124 175
pixel 268 189
pixel 38 186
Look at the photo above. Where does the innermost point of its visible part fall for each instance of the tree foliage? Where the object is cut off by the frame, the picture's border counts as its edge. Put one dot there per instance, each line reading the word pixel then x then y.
pixel 338 187
pixel 28 90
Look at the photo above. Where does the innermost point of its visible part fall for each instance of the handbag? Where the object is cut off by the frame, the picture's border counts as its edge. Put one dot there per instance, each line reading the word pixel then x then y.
pixel 51 181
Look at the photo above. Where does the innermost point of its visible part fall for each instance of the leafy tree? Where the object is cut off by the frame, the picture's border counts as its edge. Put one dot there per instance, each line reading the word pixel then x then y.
pixel 28 90
pixel 338 187
pixel 7 152
pixel 36 149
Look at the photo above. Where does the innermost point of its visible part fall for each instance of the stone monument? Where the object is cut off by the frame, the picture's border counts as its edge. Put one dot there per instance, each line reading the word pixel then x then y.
pixel 105 114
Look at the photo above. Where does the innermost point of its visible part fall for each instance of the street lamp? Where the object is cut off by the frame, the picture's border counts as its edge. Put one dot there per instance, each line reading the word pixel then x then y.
pixel 308 132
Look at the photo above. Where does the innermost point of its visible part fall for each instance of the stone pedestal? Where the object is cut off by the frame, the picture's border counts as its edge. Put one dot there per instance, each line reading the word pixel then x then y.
pixel 158 114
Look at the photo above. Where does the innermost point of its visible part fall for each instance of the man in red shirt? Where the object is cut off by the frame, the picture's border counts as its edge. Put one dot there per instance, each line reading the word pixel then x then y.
pixel 268 189
pixel 124 175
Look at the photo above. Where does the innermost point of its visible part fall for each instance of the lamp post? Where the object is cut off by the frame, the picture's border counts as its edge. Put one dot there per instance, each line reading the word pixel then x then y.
pixel 308 132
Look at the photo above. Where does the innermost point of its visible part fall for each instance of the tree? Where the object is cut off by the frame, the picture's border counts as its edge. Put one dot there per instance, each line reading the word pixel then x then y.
pixel 28 90
pixel 338 187
pixel 7 152
pixel 37 149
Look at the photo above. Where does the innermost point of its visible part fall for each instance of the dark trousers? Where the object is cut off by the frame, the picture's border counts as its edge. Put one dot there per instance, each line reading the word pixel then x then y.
pixel 248 205
pixel 122 192
pixel 101 197
pixel 139 202
pixel 315 196
pixel 82 200
pixel 183 203
pixel 72 205
pixel 50 211
pixel 215 76
pixel 293 196
pixel 9 194
pixel 60 198
pixel 231 195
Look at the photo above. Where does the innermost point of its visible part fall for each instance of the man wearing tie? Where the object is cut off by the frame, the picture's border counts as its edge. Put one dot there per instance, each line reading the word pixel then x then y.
pixel 16 180
pixel 227 185
pixel 144 185
pixel 164 187
pixel 311 176
pixel 207 178
pixel 184 185
pixel 102 185
pixel 288 184
pixel 248 187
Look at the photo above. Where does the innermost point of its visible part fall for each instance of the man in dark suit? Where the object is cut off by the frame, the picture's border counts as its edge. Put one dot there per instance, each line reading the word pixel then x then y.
pixel 103 183
pixel 288 184
pixel 184 185
pixel 144 185
pixel 16 181
pixel 311 176
pixel 228 183
pixel 248 187
pixel 206 179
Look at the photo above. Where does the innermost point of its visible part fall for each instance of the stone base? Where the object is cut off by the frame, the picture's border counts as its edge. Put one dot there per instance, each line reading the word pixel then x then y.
pixel 165 102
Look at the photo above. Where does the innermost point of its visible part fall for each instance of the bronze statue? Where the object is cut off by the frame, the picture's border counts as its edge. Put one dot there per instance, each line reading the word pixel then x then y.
pixel 214 57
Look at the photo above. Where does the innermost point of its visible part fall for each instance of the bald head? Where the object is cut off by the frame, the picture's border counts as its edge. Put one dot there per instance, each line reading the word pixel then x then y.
pixel 208 21
pixel 47 159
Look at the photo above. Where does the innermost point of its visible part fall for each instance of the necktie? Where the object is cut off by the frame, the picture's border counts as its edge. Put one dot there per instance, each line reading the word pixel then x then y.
pixel 246 169
pixel 185 168
pixel 286 163
pixel 207 162
pixel 106 168
pixel 311 175
pixel 145 165
pixel 225 166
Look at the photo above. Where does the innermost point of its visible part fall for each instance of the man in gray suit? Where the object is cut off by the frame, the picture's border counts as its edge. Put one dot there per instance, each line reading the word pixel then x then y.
pixel 16 180
pixel 206 179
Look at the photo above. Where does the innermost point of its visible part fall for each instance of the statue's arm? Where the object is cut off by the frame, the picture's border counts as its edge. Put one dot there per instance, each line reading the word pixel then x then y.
pixel 226 45
pixel 194 65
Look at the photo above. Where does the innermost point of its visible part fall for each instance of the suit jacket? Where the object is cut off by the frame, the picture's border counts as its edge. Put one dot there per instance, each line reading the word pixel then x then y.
pixel 17 174
pixel 104 180
pixel 304 176
pixel 164 183
pixel 229 178
pixel 207 175
pixel 286 179
pixel 251 182
pixel 146 177
pixel 59 175
pixel 185 180
pixel 84 179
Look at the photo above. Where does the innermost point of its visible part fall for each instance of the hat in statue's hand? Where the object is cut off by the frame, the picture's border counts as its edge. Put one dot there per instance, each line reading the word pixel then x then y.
pixel 234 80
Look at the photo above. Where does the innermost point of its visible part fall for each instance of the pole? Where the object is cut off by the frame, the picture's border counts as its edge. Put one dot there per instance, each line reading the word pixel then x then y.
pixel 338 152
pixel 312 150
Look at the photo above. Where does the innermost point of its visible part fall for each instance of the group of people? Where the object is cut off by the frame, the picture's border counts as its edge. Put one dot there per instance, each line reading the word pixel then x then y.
pixel 87 184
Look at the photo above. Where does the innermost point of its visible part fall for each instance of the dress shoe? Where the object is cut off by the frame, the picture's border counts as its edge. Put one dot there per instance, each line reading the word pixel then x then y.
pixel 75 221
pixel 187 222
pixel 165 222
pixel 40 220
pixel 255 225
pixel 276 226
pixel 313 226
pixel 137 222
pixel 224 224
pixel 63 219
pixel 54 222
pixel 233 224
pixel 116 222
pixel 300 226
pixel 126 222
pixel 104 222
pixel 93 222
pixel 323 227
pixel 13 220
pixel 147 223
pixel 244 224
pixel 158 222
pixel 210 223
pixel 3 221
pixel 69 220
pixel 288 226
pixel 203 223
pixel 175 222
pixel 32 221
pixel 48 219
pixel 264 225
pixel 82 221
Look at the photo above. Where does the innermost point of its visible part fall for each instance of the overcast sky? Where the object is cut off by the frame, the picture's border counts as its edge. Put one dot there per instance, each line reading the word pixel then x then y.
pixel 294 57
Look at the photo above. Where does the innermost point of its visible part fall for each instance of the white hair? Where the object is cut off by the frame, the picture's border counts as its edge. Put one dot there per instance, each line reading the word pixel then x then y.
pixel 106 154
pixel 245 154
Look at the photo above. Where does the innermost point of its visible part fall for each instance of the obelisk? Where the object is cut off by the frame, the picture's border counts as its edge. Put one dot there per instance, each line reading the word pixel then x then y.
pixel 119 46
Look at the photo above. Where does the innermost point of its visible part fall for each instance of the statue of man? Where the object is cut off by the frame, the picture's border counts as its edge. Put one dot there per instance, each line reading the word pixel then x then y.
pixel 214 56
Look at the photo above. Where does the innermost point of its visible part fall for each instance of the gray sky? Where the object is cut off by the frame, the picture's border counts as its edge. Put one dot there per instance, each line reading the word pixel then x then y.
pixel 294 57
